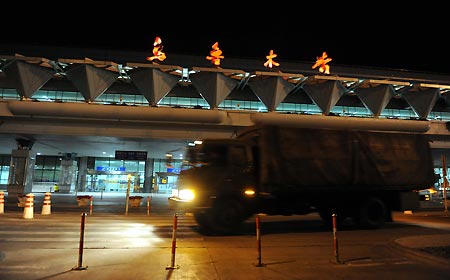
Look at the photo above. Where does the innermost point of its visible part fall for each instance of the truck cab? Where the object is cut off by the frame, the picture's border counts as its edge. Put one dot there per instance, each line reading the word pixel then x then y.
pixel 217 184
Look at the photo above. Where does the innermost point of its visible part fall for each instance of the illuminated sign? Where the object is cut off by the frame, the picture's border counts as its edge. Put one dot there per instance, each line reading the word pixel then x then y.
pixel 215 54
pixel 270 62
pixel 109 168
pixel 131 155
pixel 321 62
pixel 157 51
pixel 173 170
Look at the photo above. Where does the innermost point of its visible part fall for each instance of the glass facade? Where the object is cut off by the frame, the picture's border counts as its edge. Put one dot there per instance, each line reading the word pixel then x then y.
pixel 46 169
pixel 4 169
pixel 103 174
pixel 109 174
pixel 230 103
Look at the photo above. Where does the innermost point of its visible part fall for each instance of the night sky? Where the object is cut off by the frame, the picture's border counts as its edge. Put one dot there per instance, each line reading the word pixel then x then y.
pixel 409 38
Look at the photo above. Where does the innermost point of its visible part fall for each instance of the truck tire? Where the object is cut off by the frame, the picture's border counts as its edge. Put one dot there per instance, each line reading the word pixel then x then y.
pixel 372 213
pixel 204 226
pixel 225 217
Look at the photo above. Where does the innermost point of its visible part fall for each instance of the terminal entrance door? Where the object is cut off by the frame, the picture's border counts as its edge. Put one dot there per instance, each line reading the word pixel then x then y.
pixel 112 182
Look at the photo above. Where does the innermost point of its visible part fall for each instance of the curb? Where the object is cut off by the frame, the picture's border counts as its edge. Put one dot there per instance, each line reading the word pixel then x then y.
pixel 419 255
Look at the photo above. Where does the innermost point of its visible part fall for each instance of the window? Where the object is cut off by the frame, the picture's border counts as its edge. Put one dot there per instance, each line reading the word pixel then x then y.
pixel 47 169
pixel 5 161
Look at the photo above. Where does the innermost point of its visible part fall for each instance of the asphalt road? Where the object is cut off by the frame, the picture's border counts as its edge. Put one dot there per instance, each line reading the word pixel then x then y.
pixel 140 244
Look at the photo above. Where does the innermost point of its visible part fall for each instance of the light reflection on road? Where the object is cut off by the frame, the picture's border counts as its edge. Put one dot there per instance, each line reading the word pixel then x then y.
pixel 138 235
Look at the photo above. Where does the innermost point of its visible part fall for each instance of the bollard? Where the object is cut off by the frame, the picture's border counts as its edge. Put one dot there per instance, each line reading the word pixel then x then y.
pixel 258 241
pixel 2 202
pixel 174 242
pixel 90 204
pixel 80 248
pixel 148 205
pixel 28 209
pixel 127 199
pixel 335 240
pixel 46 205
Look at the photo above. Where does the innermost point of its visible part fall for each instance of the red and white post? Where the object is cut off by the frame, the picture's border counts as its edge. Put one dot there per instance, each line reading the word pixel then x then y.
pixel 2 202
pixel 46 205
pixel 90 204
pixel 258 241
pixel 28 210
pixel 148 205
pixel 174 242
pixel 81 246
pixel 335 240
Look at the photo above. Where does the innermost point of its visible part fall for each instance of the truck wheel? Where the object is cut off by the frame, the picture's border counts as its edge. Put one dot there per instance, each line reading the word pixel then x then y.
pixel 226 216
pixel 372 213
pixel 203 222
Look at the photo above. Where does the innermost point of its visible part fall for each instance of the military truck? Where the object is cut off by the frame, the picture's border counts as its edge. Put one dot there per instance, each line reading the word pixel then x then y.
pixel 360 175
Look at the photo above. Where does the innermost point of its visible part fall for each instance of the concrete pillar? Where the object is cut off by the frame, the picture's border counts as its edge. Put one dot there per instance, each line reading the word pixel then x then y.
pixel 20 179
pixel 82 173
pixel 148 175
pixel 67 175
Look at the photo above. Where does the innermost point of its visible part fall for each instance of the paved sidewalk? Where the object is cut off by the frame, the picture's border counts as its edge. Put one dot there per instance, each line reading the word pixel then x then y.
pixel 432 248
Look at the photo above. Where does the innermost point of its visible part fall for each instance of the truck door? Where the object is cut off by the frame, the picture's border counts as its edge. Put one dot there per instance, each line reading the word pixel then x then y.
pixel 241 166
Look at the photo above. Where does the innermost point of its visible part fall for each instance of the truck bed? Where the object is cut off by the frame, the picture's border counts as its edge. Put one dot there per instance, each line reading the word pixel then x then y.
pixel 328 158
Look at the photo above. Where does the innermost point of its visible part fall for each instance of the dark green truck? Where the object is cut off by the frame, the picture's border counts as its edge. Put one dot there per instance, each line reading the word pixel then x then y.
pixel 275 170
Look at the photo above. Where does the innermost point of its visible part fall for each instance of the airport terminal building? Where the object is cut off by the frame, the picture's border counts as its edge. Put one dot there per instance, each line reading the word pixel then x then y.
pixel 89 120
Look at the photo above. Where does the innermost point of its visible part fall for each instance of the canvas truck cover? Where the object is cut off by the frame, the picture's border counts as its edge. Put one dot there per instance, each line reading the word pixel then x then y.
pixel 325 158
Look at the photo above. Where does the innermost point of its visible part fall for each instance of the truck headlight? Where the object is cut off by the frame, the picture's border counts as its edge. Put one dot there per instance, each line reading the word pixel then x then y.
pixel 186 194
pixel 174 192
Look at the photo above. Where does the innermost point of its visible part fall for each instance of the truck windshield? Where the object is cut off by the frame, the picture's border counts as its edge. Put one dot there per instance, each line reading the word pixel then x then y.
pixel 206 155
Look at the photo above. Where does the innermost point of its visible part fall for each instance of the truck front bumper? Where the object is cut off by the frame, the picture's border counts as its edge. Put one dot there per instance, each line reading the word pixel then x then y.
pixel 179 204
